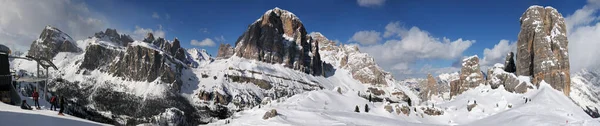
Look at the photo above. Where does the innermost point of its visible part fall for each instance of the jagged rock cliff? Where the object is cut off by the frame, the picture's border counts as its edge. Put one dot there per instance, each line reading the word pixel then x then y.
pixel 362 66
pixel 113 36
pixel 470 76
pixel 279 37
pixel 542 51
pixel 51 42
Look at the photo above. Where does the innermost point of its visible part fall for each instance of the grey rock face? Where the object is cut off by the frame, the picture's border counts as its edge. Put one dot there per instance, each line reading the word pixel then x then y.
pixel 98 57
pixel 497 76
pixel 144 64
pixel 279 37
pixel 270 114
pixel 352 59
pixel 225 51
pixel 51 42
pixel 430 88
pixel 112 35
pixel 149 38
pixel 470 76
pixel 542 48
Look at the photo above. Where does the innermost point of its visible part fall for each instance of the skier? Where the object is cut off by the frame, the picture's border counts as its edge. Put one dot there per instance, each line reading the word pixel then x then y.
pixel 36 96
pixel 62 105
pixel 53 103
pixel 26 106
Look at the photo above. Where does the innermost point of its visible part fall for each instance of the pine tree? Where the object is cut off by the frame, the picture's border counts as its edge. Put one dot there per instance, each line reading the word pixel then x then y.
pixel 356 109
pixel 370 98
pixel 366 108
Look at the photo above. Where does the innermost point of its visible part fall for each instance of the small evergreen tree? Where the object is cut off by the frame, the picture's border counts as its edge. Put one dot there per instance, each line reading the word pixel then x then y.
pixel 366 108
pixel 370 98
pixel 356 109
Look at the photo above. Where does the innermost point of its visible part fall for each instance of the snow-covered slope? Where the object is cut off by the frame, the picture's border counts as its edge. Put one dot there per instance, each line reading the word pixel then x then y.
pixel 15 116
pixel 493 107
pixel 585 91
pixel 547 107
pixel 199 57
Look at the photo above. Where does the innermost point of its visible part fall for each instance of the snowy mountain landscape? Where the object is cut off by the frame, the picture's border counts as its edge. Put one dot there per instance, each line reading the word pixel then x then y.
pixel 277 73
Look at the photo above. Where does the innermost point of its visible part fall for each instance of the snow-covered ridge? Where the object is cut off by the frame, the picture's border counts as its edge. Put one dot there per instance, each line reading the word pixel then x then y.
pixel 59 37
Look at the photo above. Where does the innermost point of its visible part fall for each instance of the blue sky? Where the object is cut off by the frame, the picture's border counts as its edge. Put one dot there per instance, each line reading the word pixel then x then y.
pixel 482 24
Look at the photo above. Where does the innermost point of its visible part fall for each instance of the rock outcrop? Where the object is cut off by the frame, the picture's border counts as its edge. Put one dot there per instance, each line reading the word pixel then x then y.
pixel 280 37
pixel 431 88
pixel 542 48
pixel 496 76
pixel 225 51
pixel 362 66
pixel 270 114
pixel 51 42
pixel 470 76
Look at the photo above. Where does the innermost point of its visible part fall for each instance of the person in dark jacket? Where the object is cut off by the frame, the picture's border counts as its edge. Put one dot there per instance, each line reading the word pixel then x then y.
pixel 62 105
pixel 53 103
pixel 24 105
pixel 36 96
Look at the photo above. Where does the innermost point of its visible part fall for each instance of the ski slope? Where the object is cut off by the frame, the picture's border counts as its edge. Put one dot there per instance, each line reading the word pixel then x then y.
pixel 328 107
pixel 15 116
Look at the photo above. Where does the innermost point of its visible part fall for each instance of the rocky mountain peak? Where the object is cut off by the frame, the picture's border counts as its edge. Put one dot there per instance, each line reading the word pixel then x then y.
pixel 52 41
pixel 279 37
pixel 542 48
pixel 149 38
pixel 111 35
pixel 291 25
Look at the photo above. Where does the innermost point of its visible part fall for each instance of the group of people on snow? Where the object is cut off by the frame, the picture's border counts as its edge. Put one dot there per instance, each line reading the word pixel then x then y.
pixel 54 101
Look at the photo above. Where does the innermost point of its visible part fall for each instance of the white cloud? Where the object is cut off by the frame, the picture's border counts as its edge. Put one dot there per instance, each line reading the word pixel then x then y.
pixel 206 42
pixel 583 29
pixel 370 3
pixel 140 33
pixel 583 47
pixel 498 53
pixel 392 29
pixel 22 21
pixel 366 37
pixel 400 55
pixel 155 15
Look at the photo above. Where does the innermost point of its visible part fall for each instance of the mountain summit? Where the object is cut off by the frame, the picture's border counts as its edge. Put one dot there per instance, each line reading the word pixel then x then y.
pixel 279 37
pixel 52 41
